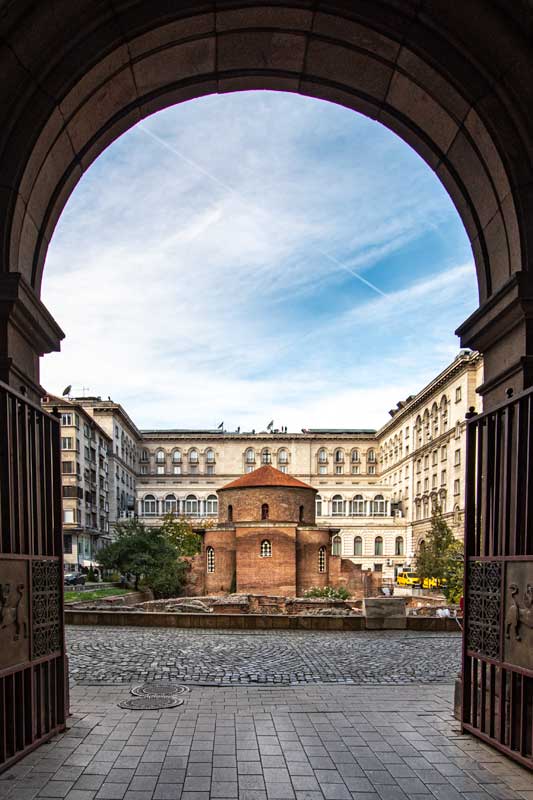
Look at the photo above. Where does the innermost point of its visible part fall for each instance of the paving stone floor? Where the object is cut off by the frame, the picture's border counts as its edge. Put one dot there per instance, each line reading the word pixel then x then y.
pixel 393 740
pixel 272 657
pixel 268 743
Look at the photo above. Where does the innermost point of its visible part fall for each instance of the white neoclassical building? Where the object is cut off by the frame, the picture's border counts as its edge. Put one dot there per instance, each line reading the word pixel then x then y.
pixel 378 487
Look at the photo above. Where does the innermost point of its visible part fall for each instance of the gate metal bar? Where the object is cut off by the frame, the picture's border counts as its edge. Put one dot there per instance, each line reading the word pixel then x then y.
pixel 33 675
pixel 498 632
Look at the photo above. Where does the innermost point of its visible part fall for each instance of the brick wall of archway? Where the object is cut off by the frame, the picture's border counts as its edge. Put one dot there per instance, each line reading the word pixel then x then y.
pixel 442 78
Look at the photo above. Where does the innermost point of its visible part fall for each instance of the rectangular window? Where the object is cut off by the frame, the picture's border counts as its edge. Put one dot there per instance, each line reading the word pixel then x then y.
pixel 378 567
pixel 355 469
pixel 67 543
pixel 443 477
pixel 66 419
pixel 457 486
pixel 434 482
pixel 426 462
pixel 435 457
pixel 67 467
pixel 426 484
pixel 443 453
pixel 69 516
pixel 66 442
pixel 160 470
pixel 339 469
pixel 144 469
pixel 282 468
pixel 322 470
pixel 211 469
pixel 457 459
pixel 371 469
pixel 458 394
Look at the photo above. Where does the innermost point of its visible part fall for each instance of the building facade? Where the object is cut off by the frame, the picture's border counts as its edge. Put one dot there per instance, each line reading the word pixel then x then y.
pixel 379 487
pixel 123 455
pixel 85 451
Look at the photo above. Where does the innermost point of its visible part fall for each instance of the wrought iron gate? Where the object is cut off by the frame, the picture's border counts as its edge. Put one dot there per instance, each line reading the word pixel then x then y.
pixel 498 631
pixel 32 650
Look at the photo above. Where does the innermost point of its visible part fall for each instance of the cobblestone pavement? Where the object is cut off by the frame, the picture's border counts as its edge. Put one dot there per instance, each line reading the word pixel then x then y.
pixel 114 655
pixel 268 743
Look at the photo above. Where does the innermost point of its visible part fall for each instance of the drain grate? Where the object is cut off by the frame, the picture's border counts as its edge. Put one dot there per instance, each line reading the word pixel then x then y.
pixel 150 703
pixel 159 688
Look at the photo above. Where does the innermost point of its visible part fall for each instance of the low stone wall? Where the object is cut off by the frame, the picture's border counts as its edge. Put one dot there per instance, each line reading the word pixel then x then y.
pixel 156 619
pixel 130 599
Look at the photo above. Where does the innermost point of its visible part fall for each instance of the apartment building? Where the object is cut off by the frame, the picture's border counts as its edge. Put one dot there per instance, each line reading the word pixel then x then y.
pixel 85 448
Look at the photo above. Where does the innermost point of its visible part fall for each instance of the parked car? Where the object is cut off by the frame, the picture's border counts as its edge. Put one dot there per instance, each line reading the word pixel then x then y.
pixel 74 579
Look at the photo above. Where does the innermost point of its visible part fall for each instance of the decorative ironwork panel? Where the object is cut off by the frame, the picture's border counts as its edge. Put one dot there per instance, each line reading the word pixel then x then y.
pixel 484 607
pixel 46 607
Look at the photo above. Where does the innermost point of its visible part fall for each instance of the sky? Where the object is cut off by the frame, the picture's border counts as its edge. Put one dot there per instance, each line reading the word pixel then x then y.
pixel 252 257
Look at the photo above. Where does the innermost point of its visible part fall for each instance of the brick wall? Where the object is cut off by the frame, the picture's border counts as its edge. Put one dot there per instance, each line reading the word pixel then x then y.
pixel 274 575
pixel 224 544
pixel 283 504
pixel 308 543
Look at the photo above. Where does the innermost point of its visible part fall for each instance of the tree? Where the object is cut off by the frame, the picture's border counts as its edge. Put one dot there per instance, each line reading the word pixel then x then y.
pixel 432 556
pixel 152 554
pixel 182 536
pixel 454 572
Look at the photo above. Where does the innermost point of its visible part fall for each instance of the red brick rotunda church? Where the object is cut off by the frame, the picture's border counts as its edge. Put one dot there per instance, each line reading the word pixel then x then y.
pixel 268 543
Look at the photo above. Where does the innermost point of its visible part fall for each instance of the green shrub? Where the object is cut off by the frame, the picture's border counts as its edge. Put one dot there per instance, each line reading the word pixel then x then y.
pixel 328 592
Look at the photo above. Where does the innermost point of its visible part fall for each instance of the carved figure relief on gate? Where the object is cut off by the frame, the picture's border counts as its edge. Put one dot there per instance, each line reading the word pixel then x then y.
pixel 518 623
pixel 14 603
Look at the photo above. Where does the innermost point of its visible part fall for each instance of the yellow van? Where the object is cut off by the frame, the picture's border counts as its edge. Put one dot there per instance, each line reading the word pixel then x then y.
pixel 407 577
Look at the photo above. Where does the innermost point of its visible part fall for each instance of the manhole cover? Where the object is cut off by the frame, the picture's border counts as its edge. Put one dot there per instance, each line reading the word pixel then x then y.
pixel 161 689
pixel 150 703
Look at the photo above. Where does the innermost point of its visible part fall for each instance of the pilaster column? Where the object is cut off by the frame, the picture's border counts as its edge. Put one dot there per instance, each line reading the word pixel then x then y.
pixel 27 331
pixel 502 329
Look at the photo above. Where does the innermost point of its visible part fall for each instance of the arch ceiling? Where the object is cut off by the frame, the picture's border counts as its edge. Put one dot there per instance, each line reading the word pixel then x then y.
pixel 77 75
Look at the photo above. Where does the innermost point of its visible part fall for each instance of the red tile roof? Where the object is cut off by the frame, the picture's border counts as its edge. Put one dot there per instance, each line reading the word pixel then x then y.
pixel 266 476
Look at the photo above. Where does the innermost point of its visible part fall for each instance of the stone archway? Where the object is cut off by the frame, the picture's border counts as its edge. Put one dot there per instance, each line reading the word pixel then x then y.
pixel 448 78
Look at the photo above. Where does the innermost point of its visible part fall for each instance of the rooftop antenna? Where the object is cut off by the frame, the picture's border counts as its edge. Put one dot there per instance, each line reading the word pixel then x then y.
pixel 84 389
pixel 67 390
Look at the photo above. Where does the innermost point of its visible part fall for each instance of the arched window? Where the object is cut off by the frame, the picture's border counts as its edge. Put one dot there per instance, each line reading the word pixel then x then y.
pixel 421 545
pixel 266 549
pixel 337 506
pixel 339 456
pixel 171 504
pixel 149 505
pixel 301 514
pixel 193 457
pixel 358 546
pixel 266 457
pixel 336 545
pixel 357 506
pixel 318 506
pixel 176 457
pixel 210 557
pixel 398 546
pixel 457 515
pixel 322 455
pixel 144 455
pixel 250 455
pixel 160 456
pixel 264 511
pixel 212 505
pixel 283 457
pixel 191 505
pixel 378 546
pixel 322 559
pixel 210 456
pixel 371 456
pixel 230 513
pixel 379 506
pixel 354 457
